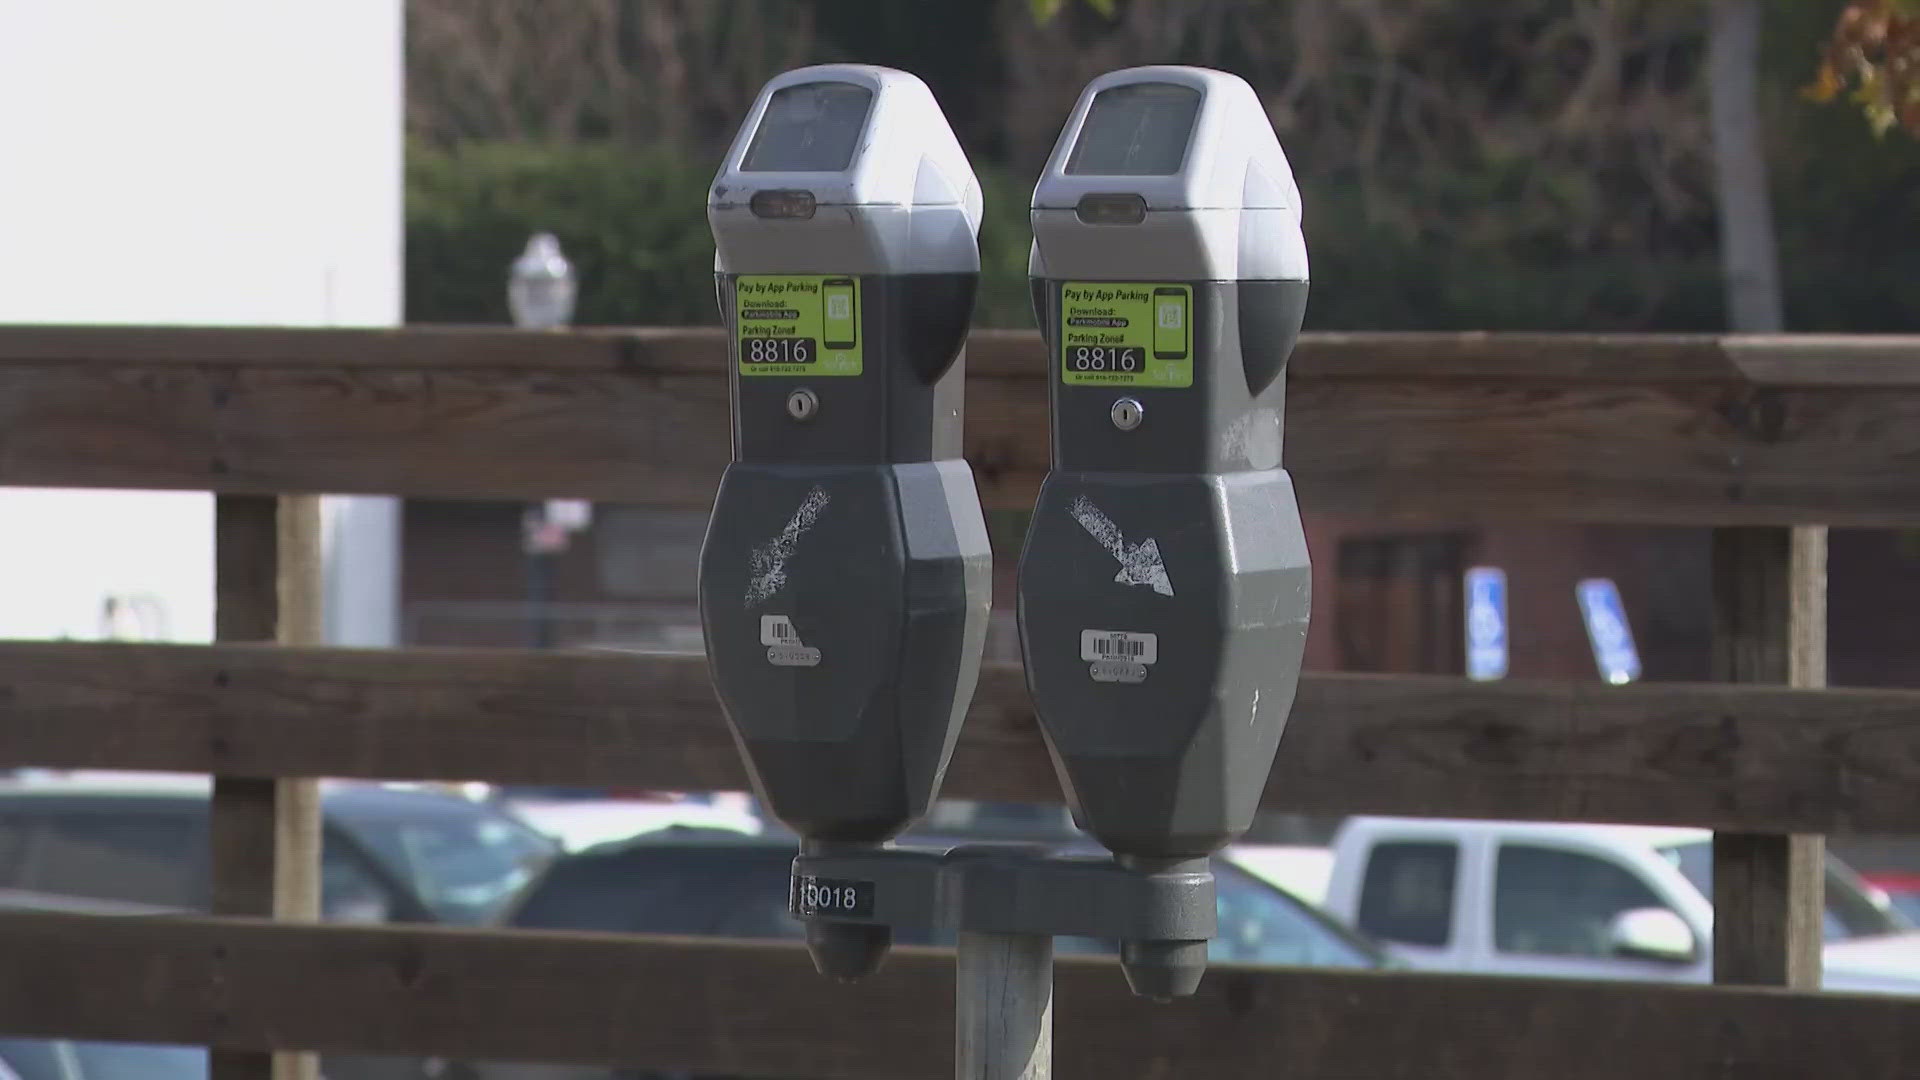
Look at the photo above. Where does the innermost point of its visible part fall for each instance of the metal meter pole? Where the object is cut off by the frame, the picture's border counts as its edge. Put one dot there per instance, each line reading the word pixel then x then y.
pixel 1003 1005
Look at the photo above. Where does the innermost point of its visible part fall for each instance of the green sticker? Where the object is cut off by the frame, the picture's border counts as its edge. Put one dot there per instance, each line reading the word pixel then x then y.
pixel 1126 334
pixel 798 325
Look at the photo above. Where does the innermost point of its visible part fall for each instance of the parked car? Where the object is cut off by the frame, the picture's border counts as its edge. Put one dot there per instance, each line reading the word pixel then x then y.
pixel 1583 901
pixel 65 1059
pixel 387 855
pixel 706 882
pixel 1902 889
pixel 720 883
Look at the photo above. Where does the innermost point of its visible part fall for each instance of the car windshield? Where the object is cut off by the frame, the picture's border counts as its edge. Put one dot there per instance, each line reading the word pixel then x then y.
pixel 1851 911
pixel 1260 924
pixel 463 861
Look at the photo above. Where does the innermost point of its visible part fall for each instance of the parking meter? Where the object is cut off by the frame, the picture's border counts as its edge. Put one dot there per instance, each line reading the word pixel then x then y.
pixel 1163 590
pixel 845 581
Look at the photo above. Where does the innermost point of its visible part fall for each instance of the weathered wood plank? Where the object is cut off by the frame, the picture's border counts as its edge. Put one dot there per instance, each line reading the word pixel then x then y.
pixel 244 810
pixel 711 1007
pixel 1883 360
pixel 1770 626
pixel 1754 758
pixel 1707 430
pixel 264 842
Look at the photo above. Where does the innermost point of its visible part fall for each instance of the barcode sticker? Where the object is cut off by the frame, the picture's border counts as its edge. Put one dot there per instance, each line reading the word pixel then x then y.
pixel 1110 648
pixel 1128 645
pixel 784 647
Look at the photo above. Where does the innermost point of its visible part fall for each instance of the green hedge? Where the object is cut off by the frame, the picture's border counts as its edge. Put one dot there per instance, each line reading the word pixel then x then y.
pixel 635 226
pixel 636 229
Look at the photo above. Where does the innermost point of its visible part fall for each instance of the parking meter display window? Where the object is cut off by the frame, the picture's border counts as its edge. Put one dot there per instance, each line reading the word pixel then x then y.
pixel 1125 334
pixel 1140 129
pixel 798 324
pixel 813 127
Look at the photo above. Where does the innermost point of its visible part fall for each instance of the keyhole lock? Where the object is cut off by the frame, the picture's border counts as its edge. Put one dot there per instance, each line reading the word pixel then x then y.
pixel 802 404
pixel 1127 414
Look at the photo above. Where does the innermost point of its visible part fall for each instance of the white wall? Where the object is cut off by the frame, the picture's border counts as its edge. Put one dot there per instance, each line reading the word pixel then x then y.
pixel 222 162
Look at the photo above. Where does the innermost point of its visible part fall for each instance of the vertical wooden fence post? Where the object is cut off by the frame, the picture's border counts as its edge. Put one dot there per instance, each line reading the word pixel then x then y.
pixel 265 832
pixel 1770 626
pixel 1003 1007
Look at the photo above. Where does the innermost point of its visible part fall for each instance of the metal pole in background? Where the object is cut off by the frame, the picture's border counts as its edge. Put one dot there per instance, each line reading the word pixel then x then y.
pixel 539 574
pixel 540 296
pixel 1003 1007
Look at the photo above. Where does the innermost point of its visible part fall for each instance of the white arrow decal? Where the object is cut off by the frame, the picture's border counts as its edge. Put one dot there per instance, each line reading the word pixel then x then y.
pixel 767 573
pixel 1139 563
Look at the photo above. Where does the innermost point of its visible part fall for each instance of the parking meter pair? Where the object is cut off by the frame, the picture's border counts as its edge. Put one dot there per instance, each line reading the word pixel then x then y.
pixel 845 584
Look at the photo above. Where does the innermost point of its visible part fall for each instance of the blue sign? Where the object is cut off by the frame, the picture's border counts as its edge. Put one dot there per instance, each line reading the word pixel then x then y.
pixel 1486 623
pixel 1607 630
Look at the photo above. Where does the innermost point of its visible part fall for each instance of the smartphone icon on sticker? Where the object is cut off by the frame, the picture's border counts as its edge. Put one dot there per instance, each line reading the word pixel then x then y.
pixel 839 316
pixel 1169 324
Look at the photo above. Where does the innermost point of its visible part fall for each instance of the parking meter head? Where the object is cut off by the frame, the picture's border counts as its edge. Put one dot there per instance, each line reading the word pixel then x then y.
pixel 849 174
pixel 845 581
pixel 1164 587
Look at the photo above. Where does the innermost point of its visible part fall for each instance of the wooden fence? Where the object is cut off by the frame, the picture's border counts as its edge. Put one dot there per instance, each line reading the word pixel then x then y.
pixel 1748 435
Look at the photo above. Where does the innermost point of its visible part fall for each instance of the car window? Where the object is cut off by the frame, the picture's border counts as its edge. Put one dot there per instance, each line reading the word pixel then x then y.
pixel 583 892
pixel 1552 902
pixel 1407 894
pixel 150 857
pixel 126 1061
pixel 750 897
pixel 350 890
pixel 661 890
pixel 46 1059
pixel 1907 904
pixel 14 832
pixel 463 862
pixel 1850 911
pixel 31 1059
pixel 1260 924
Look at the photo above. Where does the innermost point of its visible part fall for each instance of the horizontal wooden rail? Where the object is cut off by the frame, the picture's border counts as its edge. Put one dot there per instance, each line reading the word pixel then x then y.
pixel 1706 430
pixel 736 1008
pixel 1755 758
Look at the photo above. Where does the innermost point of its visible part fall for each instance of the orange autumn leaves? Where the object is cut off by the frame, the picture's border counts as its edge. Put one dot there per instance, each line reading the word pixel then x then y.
pixel 1874 57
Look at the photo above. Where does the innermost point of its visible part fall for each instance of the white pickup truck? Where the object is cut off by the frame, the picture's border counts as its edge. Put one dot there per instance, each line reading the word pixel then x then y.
pixel 1582 901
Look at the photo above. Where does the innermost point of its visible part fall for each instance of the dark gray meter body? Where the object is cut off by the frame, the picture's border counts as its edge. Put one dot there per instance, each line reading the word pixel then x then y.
pixel 1164 586
pixel 845 582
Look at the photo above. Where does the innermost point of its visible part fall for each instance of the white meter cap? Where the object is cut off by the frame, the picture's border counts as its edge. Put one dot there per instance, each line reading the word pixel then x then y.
pixel 845 168
pixel 1170 173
